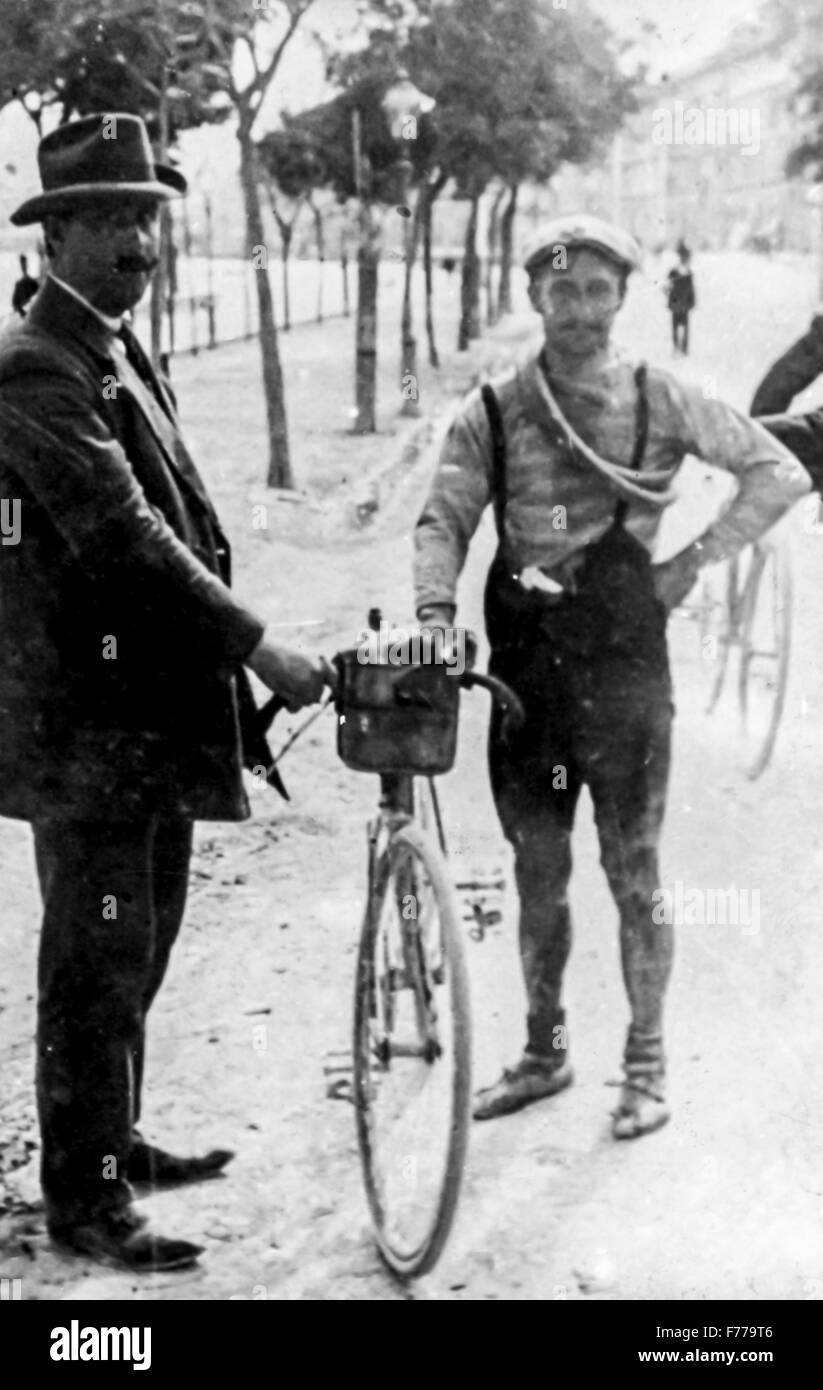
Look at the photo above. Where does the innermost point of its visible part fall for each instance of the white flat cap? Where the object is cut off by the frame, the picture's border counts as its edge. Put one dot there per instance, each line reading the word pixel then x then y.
pixel 580 230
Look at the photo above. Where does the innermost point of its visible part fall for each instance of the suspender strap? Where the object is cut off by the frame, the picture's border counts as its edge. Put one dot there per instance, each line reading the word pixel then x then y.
pixel 498 434
pixel 498 437
pixel 641 435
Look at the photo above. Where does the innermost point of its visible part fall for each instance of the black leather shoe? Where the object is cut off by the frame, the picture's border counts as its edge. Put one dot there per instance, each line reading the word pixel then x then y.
pixel 114 1239
pixel 156 1168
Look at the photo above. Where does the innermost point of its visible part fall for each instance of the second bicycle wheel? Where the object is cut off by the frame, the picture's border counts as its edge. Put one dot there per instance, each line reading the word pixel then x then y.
pixel 718 608
pixel 412 1053
pixel 765 653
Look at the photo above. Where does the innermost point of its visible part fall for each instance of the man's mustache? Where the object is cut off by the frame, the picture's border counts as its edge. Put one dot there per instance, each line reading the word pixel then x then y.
pixel 133 264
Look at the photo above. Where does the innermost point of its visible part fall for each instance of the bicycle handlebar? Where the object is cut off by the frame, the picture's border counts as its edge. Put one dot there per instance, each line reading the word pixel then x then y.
pixel 502 695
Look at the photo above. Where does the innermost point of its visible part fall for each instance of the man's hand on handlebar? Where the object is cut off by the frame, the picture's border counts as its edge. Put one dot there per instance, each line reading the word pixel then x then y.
pixel 298 679
pixel 460 643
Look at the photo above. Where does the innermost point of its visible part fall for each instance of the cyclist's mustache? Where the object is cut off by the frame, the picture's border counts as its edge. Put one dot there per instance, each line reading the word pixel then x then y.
pixel 133 264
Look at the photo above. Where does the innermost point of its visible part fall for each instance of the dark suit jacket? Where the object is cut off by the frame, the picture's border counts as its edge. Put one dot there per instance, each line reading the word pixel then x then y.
pixel 798 367
pixel 118 540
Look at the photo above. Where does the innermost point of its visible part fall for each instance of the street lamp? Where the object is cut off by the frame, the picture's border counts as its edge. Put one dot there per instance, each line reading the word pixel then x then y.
pixel 403 103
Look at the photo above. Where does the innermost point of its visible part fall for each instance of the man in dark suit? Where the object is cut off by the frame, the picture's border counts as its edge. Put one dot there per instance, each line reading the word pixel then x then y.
pixel 126 711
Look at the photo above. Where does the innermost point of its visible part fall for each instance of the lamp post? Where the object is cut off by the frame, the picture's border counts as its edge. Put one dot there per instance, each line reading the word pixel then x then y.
pixel 403 104
pixel 368 253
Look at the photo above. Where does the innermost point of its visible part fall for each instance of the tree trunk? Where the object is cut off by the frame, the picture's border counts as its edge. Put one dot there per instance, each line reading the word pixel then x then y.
pixel 368 261
pixel 344 266
pixel 159 301
pixel 171 297
pixel 431 192
pixel 491 254
pixel 279 468
pixel 321 257
pixel 504 289
pixel 158 285
pixel 285 238
pixel 409 377
pixel 210 272
pixel 470 282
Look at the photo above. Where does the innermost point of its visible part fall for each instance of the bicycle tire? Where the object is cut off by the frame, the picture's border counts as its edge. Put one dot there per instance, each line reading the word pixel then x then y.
pixel 427 813
pixel 725 635
pixel 425 1251
pixel 781 590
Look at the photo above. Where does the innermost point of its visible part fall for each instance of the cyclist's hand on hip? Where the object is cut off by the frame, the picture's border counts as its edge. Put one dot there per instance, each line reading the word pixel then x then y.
pixel 675 578
pixel 298 679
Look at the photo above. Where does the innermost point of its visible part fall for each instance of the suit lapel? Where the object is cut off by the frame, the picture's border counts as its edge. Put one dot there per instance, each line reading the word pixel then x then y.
pixel 163 427
pixel 59 314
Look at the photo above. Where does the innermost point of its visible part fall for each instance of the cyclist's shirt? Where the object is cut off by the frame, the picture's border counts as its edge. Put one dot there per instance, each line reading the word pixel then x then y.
pixel 557 503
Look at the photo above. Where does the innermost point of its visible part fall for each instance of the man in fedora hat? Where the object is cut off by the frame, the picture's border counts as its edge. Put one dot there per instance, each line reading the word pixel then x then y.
pixel 577 451
pixel 126 711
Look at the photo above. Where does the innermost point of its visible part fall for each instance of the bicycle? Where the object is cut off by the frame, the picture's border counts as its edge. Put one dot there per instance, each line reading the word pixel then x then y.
pixel 412 1026
pixel 752 613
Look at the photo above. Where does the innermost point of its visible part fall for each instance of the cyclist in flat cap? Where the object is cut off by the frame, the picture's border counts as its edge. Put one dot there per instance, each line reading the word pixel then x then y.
pixel 578 451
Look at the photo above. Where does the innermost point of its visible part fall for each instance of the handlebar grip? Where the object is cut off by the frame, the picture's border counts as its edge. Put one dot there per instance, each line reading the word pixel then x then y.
pixel 502 696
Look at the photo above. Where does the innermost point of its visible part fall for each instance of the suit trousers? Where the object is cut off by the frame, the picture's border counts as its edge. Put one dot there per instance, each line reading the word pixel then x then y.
pixel 113 901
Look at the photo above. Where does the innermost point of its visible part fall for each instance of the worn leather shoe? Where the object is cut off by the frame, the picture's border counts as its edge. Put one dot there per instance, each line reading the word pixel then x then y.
pixel 156 1168
pixel 532 1079
pixel 641 1108
pixel 118 1240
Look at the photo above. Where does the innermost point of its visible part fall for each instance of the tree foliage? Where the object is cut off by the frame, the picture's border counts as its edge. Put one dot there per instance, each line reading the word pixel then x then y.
pixel 101 55
pixel 802 25
pixel 520 87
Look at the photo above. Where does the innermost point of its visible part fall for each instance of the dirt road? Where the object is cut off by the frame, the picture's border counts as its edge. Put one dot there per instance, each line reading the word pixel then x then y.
pixel 725 1202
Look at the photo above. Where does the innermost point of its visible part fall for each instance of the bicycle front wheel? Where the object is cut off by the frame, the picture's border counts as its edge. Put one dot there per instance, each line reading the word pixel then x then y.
pixel 412 1052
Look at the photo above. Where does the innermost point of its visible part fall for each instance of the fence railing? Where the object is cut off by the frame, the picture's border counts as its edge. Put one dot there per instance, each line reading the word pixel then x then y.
pixel 215 300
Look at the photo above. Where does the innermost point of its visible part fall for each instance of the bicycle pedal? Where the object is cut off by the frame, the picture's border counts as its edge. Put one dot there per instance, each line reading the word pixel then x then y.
pixel 341 1089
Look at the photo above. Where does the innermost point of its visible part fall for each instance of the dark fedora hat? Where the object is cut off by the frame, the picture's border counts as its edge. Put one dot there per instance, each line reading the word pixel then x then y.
pixel 100 156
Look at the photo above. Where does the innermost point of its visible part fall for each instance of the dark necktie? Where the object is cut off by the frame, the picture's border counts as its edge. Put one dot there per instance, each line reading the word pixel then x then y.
pixel 148 383
pixel 141 363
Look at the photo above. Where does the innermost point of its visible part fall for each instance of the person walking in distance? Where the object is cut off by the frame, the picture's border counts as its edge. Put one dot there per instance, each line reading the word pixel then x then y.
pixel 24 289
pixel 127 713
pixel 577 451
pixel 681 297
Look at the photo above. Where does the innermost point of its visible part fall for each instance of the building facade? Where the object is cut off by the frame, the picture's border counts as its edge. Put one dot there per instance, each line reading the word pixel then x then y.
pixel 704 157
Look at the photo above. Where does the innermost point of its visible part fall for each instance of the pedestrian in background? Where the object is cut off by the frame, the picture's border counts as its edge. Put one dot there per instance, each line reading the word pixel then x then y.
pixel 681 297
pixel 24 289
